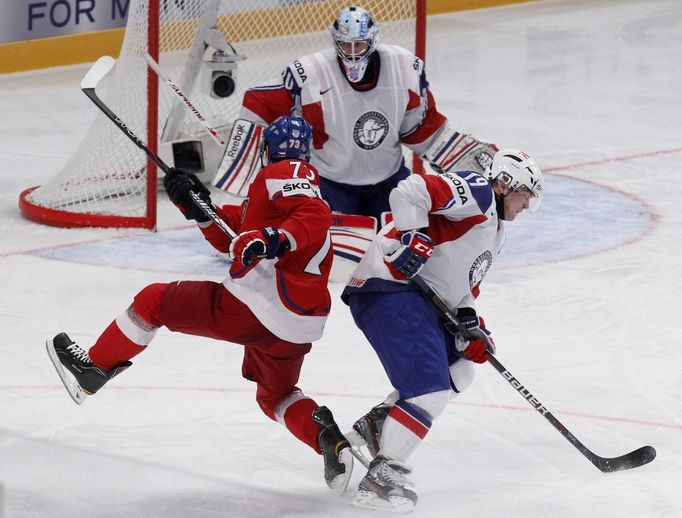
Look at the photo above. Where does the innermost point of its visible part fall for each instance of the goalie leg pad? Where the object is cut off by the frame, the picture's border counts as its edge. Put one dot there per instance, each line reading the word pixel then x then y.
pixel 240 163
pixel 351 236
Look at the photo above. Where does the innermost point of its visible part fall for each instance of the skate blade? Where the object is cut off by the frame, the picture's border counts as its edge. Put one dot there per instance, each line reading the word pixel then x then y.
pixel 340 482
pixel 74 389
pixel 358 447
pixel 394 504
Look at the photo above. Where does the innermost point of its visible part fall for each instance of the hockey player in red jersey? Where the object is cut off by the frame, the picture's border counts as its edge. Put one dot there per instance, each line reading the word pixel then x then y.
pixel 274 301
pixel 364 101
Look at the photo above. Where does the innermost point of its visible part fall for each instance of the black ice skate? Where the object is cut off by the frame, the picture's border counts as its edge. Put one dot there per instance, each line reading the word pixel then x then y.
pixel 367 432
pixel 385 486
pixel 338 459
pixel 89 378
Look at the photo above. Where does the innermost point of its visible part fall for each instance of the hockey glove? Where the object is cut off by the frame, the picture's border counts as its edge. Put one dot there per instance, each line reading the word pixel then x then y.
pixel 473 349
pixel 179 184
pixel 456 151
pixel 406 262
pixel 253 245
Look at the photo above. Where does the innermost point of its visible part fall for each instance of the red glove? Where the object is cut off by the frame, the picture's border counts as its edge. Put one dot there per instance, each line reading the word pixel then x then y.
pixel 474 350
pixel 249 247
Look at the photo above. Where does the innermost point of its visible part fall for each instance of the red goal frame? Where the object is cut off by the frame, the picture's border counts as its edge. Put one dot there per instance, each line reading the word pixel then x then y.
pixel 64 218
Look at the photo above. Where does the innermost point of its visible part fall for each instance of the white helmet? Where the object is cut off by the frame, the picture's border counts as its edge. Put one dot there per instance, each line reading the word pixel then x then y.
pixel 516 170
pixel 356 36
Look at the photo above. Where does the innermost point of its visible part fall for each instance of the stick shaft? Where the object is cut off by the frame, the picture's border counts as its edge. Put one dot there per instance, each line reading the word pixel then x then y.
pixel 185 100
pixel 628 461
pixel 88 87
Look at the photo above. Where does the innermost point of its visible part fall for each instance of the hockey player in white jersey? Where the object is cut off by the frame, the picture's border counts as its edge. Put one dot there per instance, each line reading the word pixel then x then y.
pixel 449 228
pixel 364 101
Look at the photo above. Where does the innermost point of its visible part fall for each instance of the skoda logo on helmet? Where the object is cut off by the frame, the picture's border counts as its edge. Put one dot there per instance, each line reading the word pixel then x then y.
pixel 370 130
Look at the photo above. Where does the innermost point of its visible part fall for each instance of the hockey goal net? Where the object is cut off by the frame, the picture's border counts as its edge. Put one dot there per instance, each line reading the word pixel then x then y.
pixel 213 50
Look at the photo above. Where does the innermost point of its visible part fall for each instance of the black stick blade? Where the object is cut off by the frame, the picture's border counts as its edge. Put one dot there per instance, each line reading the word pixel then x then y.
pixel 634 459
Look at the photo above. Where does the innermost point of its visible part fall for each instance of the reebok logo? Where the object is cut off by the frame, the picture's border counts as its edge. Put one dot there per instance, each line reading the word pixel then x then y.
pixel 237 136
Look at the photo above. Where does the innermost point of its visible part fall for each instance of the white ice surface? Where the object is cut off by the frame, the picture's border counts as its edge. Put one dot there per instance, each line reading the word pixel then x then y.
pixel 585 309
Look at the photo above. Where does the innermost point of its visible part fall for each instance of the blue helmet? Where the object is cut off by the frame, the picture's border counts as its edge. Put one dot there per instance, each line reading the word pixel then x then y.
pixel 287 137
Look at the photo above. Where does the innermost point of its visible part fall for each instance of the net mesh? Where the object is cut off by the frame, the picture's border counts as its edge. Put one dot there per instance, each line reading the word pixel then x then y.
pixel 107 173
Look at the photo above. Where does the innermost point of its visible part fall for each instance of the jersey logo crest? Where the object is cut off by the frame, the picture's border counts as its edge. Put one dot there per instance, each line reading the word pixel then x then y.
pixel 480 267
pixel 370 130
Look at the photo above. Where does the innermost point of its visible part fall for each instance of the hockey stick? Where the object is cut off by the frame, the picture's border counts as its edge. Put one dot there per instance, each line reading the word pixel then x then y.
pixel 157 69
pixel 96 73
pixel 634 459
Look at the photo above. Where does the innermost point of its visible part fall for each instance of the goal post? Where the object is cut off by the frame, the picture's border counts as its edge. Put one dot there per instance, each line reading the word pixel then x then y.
pixel 213 50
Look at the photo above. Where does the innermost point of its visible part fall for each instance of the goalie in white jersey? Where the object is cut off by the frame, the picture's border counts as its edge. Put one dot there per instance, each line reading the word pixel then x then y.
pixel 364 101
pixel 449 228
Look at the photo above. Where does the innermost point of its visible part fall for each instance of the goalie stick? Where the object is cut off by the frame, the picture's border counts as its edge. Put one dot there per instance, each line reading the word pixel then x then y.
pixel 634 459
pixel 157 70
pixel 92 78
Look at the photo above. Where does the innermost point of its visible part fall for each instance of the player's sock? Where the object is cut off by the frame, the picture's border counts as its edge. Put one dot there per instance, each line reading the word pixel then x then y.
pixel 296 411
pixel 403 430
pixel 126 337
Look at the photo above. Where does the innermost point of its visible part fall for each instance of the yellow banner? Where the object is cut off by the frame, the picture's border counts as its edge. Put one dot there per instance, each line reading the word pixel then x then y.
pixel 87 47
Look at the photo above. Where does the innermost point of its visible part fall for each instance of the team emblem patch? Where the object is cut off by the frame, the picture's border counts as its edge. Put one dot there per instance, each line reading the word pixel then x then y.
pixel 370 130
pixel 480 267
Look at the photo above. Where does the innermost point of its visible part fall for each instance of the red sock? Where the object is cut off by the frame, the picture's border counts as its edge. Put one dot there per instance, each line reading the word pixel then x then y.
pixel 299 421
pixel 113 348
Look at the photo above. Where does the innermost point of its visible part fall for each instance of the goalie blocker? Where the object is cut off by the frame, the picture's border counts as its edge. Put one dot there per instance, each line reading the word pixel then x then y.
pixel 455 151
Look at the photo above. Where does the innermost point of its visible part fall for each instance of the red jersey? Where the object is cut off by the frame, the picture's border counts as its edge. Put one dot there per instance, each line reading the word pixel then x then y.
pixel 289 295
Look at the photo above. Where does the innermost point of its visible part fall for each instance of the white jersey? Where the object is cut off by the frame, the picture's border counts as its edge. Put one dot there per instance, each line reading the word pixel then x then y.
pixel 459 214
pixel 357 134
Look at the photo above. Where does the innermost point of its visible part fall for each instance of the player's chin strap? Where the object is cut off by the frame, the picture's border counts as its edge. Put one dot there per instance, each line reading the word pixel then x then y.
pixel 499 205
pixel 634 459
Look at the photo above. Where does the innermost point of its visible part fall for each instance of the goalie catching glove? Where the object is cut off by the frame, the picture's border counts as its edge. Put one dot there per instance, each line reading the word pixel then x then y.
pixel 253 245
pixel 472 348
pixel 179 184
pixel 459 152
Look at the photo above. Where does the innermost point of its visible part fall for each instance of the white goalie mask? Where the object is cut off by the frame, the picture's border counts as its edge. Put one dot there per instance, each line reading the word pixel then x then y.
pixel 518 171
pixel 356 36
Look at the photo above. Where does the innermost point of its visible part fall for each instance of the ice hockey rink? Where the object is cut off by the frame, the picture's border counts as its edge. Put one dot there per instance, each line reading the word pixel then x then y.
pixel 584 308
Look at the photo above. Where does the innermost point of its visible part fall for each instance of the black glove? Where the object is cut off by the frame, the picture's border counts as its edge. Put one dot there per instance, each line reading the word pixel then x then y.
pixel 179 184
